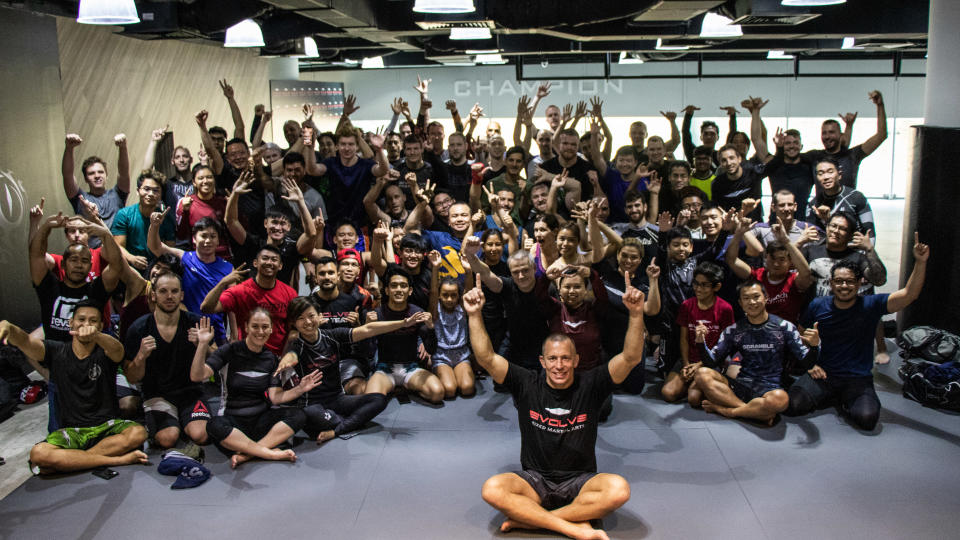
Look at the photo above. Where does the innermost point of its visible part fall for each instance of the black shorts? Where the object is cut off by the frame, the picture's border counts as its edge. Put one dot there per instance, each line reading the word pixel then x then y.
pixel 555 494
pixel 747 388
pixel 161 413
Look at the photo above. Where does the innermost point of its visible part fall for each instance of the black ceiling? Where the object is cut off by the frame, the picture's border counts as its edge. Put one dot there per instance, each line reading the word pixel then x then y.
pixel 531 31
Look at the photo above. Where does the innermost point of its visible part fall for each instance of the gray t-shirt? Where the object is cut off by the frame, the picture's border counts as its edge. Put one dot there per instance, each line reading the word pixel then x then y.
pixel 108 205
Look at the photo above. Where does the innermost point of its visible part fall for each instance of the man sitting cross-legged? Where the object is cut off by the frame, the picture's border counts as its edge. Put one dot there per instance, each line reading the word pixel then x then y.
pixel 762 340
pixel 85 372
pixel 558 488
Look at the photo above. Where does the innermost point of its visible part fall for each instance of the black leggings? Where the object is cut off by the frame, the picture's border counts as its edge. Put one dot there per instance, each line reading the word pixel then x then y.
pixel 254 426
pixel 343 414
pixel 856 395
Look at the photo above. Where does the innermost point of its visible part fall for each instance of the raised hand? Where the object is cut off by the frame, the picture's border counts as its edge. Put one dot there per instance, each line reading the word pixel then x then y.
pixel 567 113
pixel 823 212
pixel 876 97
pixel 684 216
pixel 470 246
pixel 476 112
pixel 419 317
pixel 810 234
pixel 435 258
pixel 848 118
pixel 654 183
pixel 543 90
pixel 307 112
pixel 731 110
pixel 426 193
pixel 665 221
pixel 422 87
pixel 350 105
pixel 633 299
pixel 780 231
pixel 921 252
pixel 84 332
pixel 811 336
pixel 778 137
pixel 653 271
pixel 473 300
pixel 397 106
pixel 227 89
pixel 120 140
pixel 376 141
pixel 748 205
pixel 294 194
pixel 156 218
pixel 381 232
pixel 242 185
pixel 581 109
pixel 862 241
pixel 237 275
pixel 492 197
pixel 201 118
pixel 450 105
pixel 523 106
pixel 72 140
pixel 205 331
pixel 259 109
pixel 158 133
pixel 560 179
pixel 36 213
pixel 477 219
pixel 689 109
pixel 669 115
pixel 310 381
pixel 596 107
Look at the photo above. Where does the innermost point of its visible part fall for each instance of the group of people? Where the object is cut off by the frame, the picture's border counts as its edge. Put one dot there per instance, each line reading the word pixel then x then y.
pixel 428 260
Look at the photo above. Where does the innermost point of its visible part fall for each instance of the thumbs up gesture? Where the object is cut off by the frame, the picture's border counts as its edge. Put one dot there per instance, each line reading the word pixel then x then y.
pixel 811 336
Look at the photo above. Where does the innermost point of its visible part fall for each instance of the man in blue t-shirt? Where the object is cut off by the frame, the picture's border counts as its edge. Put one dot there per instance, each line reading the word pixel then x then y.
pixel 202 269
pixel 447 243
pixel 846 323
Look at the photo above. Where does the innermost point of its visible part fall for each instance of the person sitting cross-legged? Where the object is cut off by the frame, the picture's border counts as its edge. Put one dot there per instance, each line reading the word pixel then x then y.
pixel 85 372
pixel 762 341
pixel 558 410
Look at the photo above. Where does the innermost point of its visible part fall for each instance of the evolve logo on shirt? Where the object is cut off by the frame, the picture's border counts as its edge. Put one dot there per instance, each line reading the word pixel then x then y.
pixel 557 420
pixel 63 309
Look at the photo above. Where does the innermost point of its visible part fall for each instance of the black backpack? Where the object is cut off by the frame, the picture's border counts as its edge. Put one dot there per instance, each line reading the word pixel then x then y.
pixel 922 347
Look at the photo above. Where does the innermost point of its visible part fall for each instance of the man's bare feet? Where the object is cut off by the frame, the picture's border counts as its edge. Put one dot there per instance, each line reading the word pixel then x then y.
pixel 133 457
pixel 510 524
pixel 238 459
pixel 589 533
pixel 325 436
pixel 882 358
pixel 283 455
pixel 714 408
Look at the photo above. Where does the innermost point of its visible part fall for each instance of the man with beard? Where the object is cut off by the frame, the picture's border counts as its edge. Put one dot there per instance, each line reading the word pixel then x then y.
pixel 637 226
pixel 848 159
pixel 834 198
pixel 787 169
pixel 393 146
pixel 277 226
pixel 846 321
pixel 130 225
pixel 344 307
pixel 203 269
pixel 234 295
pixel 94 169
pixel 457 169
pixel 294 171
pixel 578 186
pixel 394 200
pixel 413 163
pixel 844 242
pixel 735 183
pixel 784 212
pixel 159 350
pixel 538 206
pixel 617 179
pixel 709 135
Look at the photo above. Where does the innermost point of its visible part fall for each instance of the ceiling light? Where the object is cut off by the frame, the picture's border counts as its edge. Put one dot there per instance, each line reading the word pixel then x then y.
pixel 372 63
pixel 470 33
pixel 628 59
pixel 779 55
pixel 307 47
pixel 490 59
pixel 662 47
pixel 444 6
pixel 718 26
pixel 850 43
pixel 809 3
pixel 482 51
pixel 107 12
pixel 245 33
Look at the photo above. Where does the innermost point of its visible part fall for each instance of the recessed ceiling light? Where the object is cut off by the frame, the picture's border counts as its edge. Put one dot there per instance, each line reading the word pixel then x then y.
pixel 717 26
pixel 372 63
pixel 850 43
pixel 779 55
pixel 662 47
pixel 628 59
pixel 490 59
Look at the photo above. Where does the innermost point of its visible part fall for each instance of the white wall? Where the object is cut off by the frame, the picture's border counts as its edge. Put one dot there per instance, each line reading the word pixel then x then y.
pixel 794 103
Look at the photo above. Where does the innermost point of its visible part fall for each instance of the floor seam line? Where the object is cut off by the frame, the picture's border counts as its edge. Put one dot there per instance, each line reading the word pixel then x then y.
pixel 739 485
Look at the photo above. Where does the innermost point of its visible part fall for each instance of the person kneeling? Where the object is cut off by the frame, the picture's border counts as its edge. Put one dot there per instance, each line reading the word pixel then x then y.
pixel 249 426
pixel 762 340
pixel 85 372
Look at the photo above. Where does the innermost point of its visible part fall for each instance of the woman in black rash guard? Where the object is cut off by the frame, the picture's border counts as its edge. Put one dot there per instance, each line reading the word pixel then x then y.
pixel 248 425
pixel 329 411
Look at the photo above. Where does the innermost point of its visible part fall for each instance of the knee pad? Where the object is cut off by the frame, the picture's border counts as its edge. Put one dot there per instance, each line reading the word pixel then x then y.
pixel 800 402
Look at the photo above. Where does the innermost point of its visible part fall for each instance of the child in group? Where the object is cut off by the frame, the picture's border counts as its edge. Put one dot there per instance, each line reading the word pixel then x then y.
pixel 704 308
pixel 451 362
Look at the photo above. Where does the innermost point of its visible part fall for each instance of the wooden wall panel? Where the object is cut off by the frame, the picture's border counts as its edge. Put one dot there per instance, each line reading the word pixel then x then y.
pixel 115 84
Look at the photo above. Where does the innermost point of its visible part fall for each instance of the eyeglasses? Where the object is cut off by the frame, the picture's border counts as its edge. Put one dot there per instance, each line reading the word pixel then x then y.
pixel 841 281
pixel 702 284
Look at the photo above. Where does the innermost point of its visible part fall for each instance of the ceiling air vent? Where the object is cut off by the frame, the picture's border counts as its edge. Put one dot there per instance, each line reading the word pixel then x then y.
pixel 443 25
pixel 774 19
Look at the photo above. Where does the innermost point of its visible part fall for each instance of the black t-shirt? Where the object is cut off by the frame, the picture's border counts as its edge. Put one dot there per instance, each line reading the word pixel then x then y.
pixel 526 321
pixel 558 428
pixel 336 311
pixel 58 300
pixel 400 346
pixel 821 261
pixel 323 355
pixel 249 375
pixel 86 388
pixel 729 193
pixel 423 174
pixel 167 369
pixel 289 255
pixel 848 159
pixel 797 178
pixel 251 207
pixel 578 171
pixel 458 181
